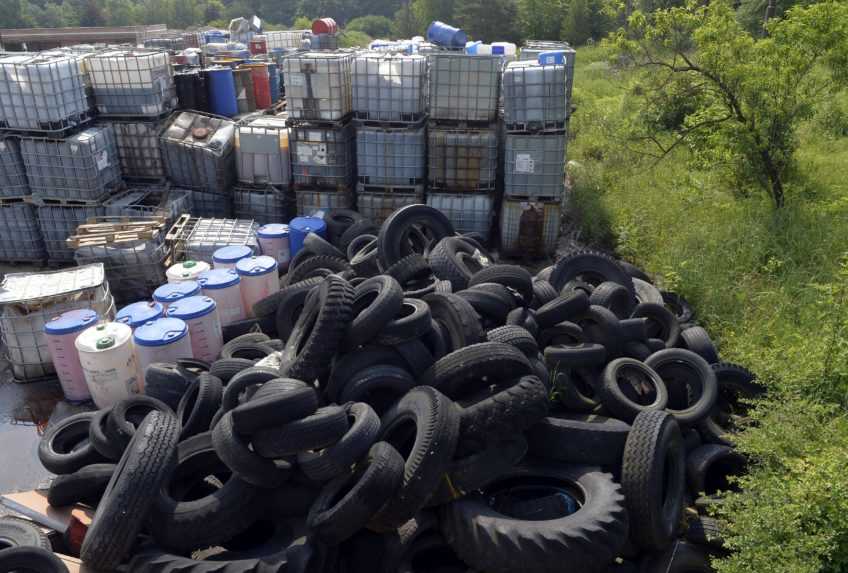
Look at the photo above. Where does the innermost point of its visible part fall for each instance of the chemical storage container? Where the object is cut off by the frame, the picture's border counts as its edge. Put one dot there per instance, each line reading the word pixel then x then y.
pixel 107 355
pixel 273 241
pixel 139 153
pixel 462 159
pixel 261 203
pixel 200 313
pixel 262 151
pixel 132 82
pixel 285 39
pixel 28 301
pixel 161 340
pixel 44 93
pixel 190 86
pixel 138 313
pixel 199 152
pixel 300 227
pixel 227 257
pixel 13 180
pixel 318 85
pixel 60 334
pixel 534 165
pixel 207 235
pixel 468 212
pixel 322 156
pixel 534 96
pixel 20 233
pixel 134 268
pixel 220 88
pixel 169 293
pixel 389 87
pixel 391 156
pixel 81 167
pixel 245 94
pixel 57 223
pixel 463 87
pixel 311 201
pixel 223 286
pixel 188 270
pixel 205 204
pixel 149 201
pixel 446 35
pixel 320 42
pixel 378 205
pixel 259 279
pixel 529 228
pixel 533 48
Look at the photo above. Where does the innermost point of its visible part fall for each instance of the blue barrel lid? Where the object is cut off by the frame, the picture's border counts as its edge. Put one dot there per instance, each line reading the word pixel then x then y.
pixel 552 57
pixel 191 307
pixel 231 254
pixel 71 321
pixel 171 292
pixel 256 266
pixel 308 225
pixel 138 313
pixel 218 278
pixel 160 332
pixel 272 231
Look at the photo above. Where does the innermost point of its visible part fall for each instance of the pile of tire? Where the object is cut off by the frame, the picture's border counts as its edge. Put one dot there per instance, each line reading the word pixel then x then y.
pixel 405 403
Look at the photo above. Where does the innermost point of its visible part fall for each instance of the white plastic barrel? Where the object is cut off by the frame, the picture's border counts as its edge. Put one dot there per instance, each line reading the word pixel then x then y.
pixel 169 293
pixel 506 49
pixel 200 313
pixel 138 313
pixel 259 279
pixel 186 271
pixel 227 257
pixel 161 340
pixel 274 242
pixel 108 360
pixel 61 333
pixel 222 285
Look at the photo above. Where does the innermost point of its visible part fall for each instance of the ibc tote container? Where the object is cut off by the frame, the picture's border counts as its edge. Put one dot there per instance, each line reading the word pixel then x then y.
pixel 263 204
pixel 378 205
pixel 310 201
pixel 467 212
pixel 318 85
pixel 463 87
pixel 13 180
pixel 58 223
pixel 82 167
pixel 138 148
pixel 462 159
pixel 132 82
pixel 199 152
pixel 534 165
pixel 44 93
pixel 529 228
pixel 285 39
pixel 149 201
pixel 533 48
pixel 262 151
pixel 20 234
pixel 534 96
pixel 391 156
pixel 322 156
pixel 389 87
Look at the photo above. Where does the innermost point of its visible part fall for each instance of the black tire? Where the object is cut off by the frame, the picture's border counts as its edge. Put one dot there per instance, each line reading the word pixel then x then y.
pixel 154 560
pixel 502 542
pixel 629 387
pixel 364 227
pixel 319 330
pixel 681 557
pixel 614 297
pixel 734 381
pixel 100 440
pixel 458 319
pixel 181 524
pixel 378 386
pixel 318 245
pixel 515 336
pixel 337 459
pixel 491 301
pixel 308 268
pixel 678 306
pixel 17 532
pixel 692 440
pixel 583 355
pixel 199 405
pixel 512 276
pixel 564 333
pixel 453 259
pixel 146 464
pixel 543 293
pixel 661 323
pixel 348 502
pixel 66 447
pixel 225 368
pixel 705 531
pixel 241 383
pixel 583 439
pixel 357 244
pixel 696 339
pixel 602 326
pixel 429 449
pixel 247 349
pixel 85 485
pixel 464 371
pixel 291 305
pixel 646 292
pixel 577 389
pixel 709 467
pixel 393 239
pixel 636 350
pixel 691 383
pixel 635 271
pixel 166 383
pixel 562 308
pixel 525 318
pixel 411 268
pixel 653 479
pixel 417 355
pixel 36 559
pixel 635 329
pixel 319 430
pixel 277 402
pixel 410 323
pixel 244 462
pixel 349 364
pixel 365 262
pixel 375 303
pixel 591 267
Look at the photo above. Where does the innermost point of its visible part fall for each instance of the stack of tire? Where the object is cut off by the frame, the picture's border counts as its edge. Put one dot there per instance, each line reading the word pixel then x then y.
pixel 404 403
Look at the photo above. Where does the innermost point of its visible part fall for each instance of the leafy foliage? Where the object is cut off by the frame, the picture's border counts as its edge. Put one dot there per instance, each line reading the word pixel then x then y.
pixel 374 26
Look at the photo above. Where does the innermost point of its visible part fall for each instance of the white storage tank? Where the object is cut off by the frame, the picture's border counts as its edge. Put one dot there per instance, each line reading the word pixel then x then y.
pixel 467 212
pixel 108 359
pixel 20 234
pixel 199 152
pixel 186 271
pixel 223 286
pixel 534 96
pixel 391 156
pixel 161 340
pixel 464 87
pixel 323 156
pixel 61 334
pixel 200 313
pixel 389 87
pixel 462 159
pixel 13 180
pixel 262 151
pixel 529 228
pixel 132 82
pixel 318 85
pixel 378 205
pixel 57 223
pixel 138 148
pixel 261 203
pixel 259 279
pixel 534 165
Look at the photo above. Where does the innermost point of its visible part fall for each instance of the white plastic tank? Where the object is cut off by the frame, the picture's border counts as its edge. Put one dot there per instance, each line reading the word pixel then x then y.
pixel 222 285
pixel 161 340
pixel 259 279
pixel 227 257
pixel 108 360
pixel 274 242
pixel 169 293
pixel 200 313
pixel 506 49
pixel 138 313
pixel 186 271
pixel 60 334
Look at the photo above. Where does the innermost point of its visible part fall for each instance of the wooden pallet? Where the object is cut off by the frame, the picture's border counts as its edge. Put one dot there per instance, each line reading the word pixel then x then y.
pixel 180 229
pixel 102 231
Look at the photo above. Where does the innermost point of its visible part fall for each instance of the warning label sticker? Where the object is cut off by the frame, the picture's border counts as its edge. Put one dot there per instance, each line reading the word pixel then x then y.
pixel 524 163
pixel 102 159
pixel 312 153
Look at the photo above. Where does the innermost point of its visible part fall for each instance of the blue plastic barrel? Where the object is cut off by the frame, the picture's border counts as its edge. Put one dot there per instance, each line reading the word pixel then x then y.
pixel 222 92
pixel 299 227
pixel 445 35
pixel 274 81
pixel 553 57
pixel 214 37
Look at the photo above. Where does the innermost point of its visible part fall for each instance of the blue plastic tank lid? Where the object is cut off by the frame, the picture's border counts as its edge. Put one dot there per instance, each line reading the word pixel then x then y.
pixel 231 254
pixel 170 292
pixel 272 231
pixel 256 266
pixel 218 278
pixel 191 307
pixel 71 321
pixel 160 332
pixel 138 313
pixel 307 224
pixel 498 50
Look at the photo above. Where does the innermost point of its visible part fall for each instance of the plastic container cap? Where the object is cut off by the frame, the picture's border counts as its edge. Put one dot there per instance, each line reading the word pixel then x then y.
pixel 231 254
pixel 138 313
pixel 308 225
pixel 552 57
pixel 71 321
pixel 191 307
pixel 256 266
pixel 170 292
pixel 218 278
pixel 160 332
pixel 273 231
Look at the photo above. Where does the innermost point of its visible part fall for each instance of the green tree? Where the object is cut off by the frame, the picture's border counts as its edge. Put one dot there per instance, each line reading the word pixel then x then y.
pixel 428 10
pixel 302 23
pixel 489 20
pixel 374 26
pixel 354 39
pixel 541 19
pixel 91 13
pixel 406 24
pixel 120 12
pixel 748 95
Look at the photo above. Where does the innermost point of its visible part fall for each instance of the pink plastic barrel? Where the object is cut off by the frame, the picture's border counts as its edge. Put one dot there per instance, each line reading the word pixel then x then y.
pixel 61 334
pixel 324 26
pixel 261 85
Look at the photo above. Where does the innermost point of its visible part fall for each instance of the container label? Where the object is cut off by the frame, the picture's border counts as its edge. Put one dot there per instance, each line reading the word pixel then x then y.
pixel 102 159
pixel 2 146
pixel 312 153
pixel 524 163
pixel 296 79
